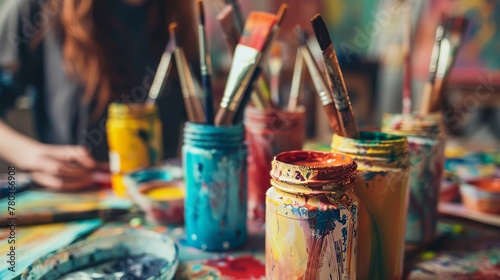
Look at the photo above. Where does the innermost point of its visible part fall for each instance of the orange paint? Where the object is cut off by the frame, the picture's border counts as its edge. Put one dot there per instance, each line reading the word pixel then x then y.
pixel 315 159
pixel 487 184
pixel 482 195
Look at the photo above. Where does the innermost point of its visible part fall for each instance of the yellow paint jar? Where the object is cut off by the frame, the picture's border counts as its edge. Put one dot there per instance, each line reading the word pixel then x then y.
pixel 382 189
pixel 134 140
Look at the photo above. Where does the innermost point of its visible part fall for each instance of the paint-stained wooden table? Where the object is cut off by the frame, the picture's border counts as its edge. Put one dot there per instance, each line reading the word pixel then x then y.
pixel 464 250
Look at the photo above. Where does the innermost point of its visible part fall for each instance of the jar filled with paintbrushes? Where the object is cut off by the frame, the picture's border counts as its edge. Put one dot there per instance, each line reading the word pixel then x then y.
pixel 426 141
pixel 134 140
pixel 311 217
pixel 214 162
pixel 382 189
pixel 268 133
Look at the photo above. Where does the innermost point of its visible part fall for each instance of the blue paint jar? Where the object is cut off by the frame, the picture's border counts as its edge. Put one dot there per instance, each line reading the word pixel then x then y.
pixel 215 164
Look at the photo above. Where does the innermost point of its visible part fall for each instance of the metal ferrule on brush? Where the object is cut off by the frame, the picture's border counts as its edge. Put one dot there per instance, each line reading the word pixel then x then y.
pixel 337 84
pixel 204 68
pixel 241 72
pixel 435 53
pixel 318 80
pixel 162 71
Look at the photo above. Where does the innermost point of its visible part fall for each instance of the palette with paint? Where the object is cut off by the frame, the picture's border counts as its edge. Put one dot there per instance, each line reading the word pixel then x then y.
pixel 159 192
pixel 133 254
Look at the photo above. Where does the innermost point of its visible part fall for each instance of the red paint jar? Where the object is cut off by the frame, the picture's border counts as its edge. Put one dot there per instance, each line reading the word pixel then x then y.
pixel 268 133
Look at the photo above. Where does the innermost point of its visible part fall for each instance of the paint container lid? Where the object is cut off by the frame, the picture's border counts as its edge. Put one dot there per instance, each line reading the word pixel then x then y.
pixel 308 171
pixel 414 125
pixel 372 144
pixel 117 110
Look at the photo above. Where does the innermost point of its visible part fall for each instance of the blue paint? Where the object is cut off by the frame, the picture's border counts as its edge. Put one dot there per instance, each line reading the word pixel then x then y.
pixel 215 163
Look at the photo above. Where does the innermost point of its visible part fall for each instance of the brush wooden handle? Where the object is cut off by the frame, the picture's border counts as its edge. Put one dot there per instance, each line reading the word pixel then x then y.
pixel 199 113
pixel 426 99
pixel 224 117
pixel 333 118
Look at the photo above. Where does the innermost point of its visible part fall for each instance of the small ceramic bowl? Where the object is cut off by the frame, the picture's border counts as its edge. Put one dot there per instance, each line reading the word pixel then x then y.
pixel 93 252
pixel 159 192
pixel 482 195
pixel 450 185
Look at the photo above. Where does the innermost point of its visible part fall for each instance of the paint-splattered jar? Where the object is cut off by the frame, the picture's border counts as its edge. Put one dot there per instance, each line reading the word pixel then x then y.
pixel 311 217
pixel 215 164
pixel 134 140
pixel 268 133
pixel 426 141
pixel 382 189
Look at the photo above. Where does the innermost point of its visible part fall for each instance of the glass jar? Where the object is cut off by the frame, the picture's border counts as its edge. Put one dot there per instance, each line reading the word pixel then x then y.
pixel 382 189
pixel 311 214
pixel 426 141
pixel 215 164
pixel 134 139
pixel 268 133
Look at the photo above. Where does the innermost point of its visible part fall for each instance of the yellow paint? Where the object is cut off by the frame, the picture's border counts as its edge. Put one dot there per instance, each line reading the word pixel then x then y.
pixel 127 127
pixel 166 193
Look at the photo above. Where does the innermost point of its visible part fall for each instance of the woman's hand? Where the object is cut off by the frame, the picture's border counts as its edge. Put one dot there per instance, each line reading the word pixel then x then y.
pixel 61 167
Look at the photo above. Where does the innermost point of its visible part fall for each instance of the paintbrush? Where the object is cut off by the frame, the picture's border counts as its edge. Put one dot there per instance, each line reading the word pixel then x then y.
pixel 46 217
pixel 298 70
pixel 226 19
pixel 162 73
pixel 193 105
pixel 450 45
pixel 407 61
pixel 429 84
pixel 257 74
pixel 275 64
pixel 205 65
pixel 230 32
pixel 238 16
pixel 320 84
pixel 337 84
pixel 247 57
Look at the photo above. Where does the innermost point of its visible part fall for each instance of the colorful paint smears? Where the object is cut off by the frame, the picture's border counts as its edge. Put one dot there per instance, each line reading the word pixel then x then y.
pixel 426 143
pixel 311 217
pixel 268 133
pixel 215 175
pixel 382 189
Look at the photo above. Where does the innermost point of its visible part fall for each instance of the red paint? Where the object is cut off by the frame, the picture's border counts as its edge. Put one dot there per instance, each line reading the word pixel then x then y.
pixel 243 267
pixel 268 133
pixel 487 184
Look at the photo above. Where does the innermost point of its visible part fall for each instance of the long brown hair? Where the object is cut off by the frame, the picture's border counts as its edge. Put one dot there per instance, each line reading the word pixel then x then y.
pixel 89 54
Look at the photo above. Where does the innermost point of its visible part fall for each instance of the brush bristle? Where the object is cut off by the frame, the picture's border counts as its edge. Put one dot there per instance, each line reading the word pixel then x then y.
pixel 321 32
pixel 173 32
pixel 257 30
pixel 301 36
pixel 281 13
pixel 201 12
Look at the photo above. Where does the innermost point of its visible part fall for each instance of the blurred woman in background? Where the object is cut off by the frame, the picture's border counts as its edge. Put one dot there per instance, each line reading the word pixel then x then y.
pixel 75 57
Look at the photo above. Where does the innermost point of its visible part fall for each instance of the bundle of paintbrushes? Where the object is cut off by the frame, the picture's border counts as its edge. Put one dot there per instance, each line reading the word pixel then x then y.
pixel 333 95
pixel 448 40
pixel 259 32
pixel 248 52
